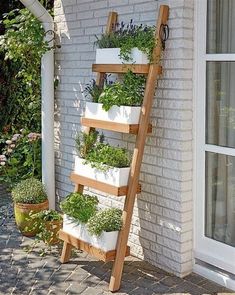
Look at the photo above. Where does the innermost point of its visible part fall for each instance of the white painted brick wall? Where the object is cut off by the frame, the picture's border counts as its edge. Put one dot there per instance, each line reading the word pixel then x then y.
pixel 161 230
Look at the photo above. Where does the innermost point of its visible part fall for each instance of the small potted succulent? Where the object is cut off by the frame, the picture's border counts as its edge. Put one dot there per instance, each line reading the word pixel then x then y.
pixel 29 196
pixel 100 161
pixel 104 227
pixel 77 209
pixel 126 44
pixel 118 101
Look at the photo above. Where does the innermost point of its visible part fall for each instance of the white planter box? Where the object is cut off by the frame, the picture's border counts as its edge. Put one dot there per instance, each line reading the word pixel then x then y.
pixel 76 229
pixel 114 176
pixel 112 56
pixel 106 241
pixel 122 114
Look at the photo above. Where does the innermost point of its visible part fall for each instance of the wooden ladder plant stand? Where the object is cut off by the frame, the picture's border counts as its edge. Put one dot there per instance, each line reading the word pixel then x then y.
pixel 152 71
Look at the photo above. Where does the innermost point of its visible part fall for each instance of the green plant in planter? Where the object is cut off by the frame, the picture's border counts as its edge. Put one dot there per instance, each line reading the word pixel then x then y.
pixel 105 221
pixel 29 191
pixel 93 90
pixel 127 37
pixel 29 196
pixel 79 206
pixel 128 92
pixel 48 223
pixel 85 142
pixel 106 156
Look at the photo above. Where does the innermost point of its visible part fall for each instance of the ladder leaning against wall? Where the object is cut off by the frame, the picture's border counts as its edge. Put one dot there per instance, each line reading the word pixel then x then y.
pixel 141 130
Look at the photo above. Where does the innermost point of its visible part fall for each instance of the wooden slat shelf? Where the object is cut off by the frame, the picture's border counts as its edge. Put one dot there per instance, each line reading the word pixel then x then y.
pixel 138 69
pixel 101 186
pixel 91 250
pixel 113 126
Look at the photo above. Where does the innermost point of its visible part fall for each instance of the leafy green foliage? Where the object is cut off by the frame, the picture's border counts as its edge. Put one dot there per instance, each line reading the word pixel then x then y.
pixel 128 92
pixel 100 155
pixel 21 158
pixel 127 37
pixel 21 49
pixel 85 142
pixel 48 215
pixel 93 90
pixel 105 221
pixel 105 156
pixel 29 191
pixel 79 206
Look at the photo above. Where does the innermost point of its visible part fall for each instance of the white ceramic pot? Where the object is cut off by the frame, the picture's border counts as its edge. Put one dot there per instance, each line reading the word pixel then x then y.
pixel 112 56
pixel 114 176
pixel 106 241
pixel 122 114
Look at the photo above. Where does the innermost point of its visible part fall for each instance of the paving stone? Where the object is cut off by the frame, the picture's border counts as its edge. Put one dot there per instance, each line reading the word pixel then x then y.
pixel 92 291
pixel 29 273
pixel 171 281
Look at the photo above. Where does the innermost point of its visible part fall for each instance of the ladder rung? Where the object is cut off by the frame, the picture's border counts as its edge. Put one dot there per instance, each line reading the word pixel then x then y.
pixel 91 250
pixel 113 126
pixel 123 68
pixel 101 186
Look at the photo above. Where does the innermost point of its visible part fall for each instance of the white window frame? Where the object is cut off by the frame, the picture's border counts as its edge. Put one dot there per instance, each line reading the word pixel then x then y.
pixel 205 249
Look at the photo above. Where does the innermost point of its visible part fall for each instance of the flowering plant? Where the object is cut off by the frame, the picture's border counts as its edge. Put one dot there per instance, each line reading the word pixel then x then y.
pixel 21 158
pixel 127 37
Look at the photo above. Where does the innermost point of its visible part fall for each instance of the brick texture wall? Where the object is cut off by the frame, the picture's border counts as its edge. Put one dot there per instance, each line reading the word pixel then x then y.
pixel 161 230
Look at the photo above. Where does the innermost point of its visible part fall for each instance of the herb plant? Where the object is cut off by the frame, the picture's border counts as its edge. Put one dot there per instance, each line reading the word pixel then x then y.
pixel 127 37
pixel 79 206
pixel 29 191
pixel 128 92
pixel 105 221
pixel 86 142
pixel 93 90
pixel 105 156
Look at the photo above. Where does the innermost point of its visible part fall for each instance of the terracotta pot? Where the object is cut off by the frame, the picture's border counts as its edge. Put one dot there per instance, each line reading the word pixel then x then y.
pixel 23 221
pixel 53 227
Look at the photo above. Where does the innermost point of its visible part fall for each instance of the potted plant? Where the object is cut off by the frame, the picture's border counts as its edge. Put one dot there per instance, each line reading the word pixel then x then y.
pixel 77 209
pixel 29 196
pixel 102 162
pixel 126 44
pixel 48 223
pixel 118 102
pixel 104 227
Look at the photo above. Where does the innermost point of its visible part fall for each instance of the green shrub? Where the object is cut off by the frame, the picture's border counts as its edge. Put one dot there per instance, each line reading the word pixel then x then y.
pixel 29 191
pixel 20 158
pixel 105 221
pixel 79 206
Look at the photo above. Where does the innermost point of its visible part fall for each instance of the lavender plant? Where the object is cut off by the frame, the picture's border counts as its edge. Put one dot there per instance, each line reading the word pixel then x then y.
pixel 127 37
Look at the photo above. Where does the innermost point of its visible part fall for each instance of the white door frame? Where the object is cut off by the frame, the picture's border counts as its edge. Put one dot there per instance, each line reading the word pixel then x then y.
pixel 205 249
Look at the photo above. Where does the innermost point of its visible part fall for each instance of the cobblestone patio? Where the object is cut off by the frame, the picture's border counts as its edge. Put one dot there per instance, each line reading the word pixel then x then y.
pixel 29 273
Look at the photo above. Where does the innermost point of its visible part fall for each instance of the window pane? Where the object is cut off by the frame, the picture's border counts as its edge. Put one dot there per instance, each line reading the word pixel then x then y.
pixel 220 103
pixel 220 198
pixel 220 26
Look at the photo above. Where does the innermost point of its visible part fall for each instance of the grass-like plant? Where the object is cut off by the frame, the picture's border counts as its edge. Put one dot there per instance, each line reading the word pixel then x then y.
pixel 29 191
pixel 105 221
pixel 127 37
pixel 85 142
pixel 79 206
